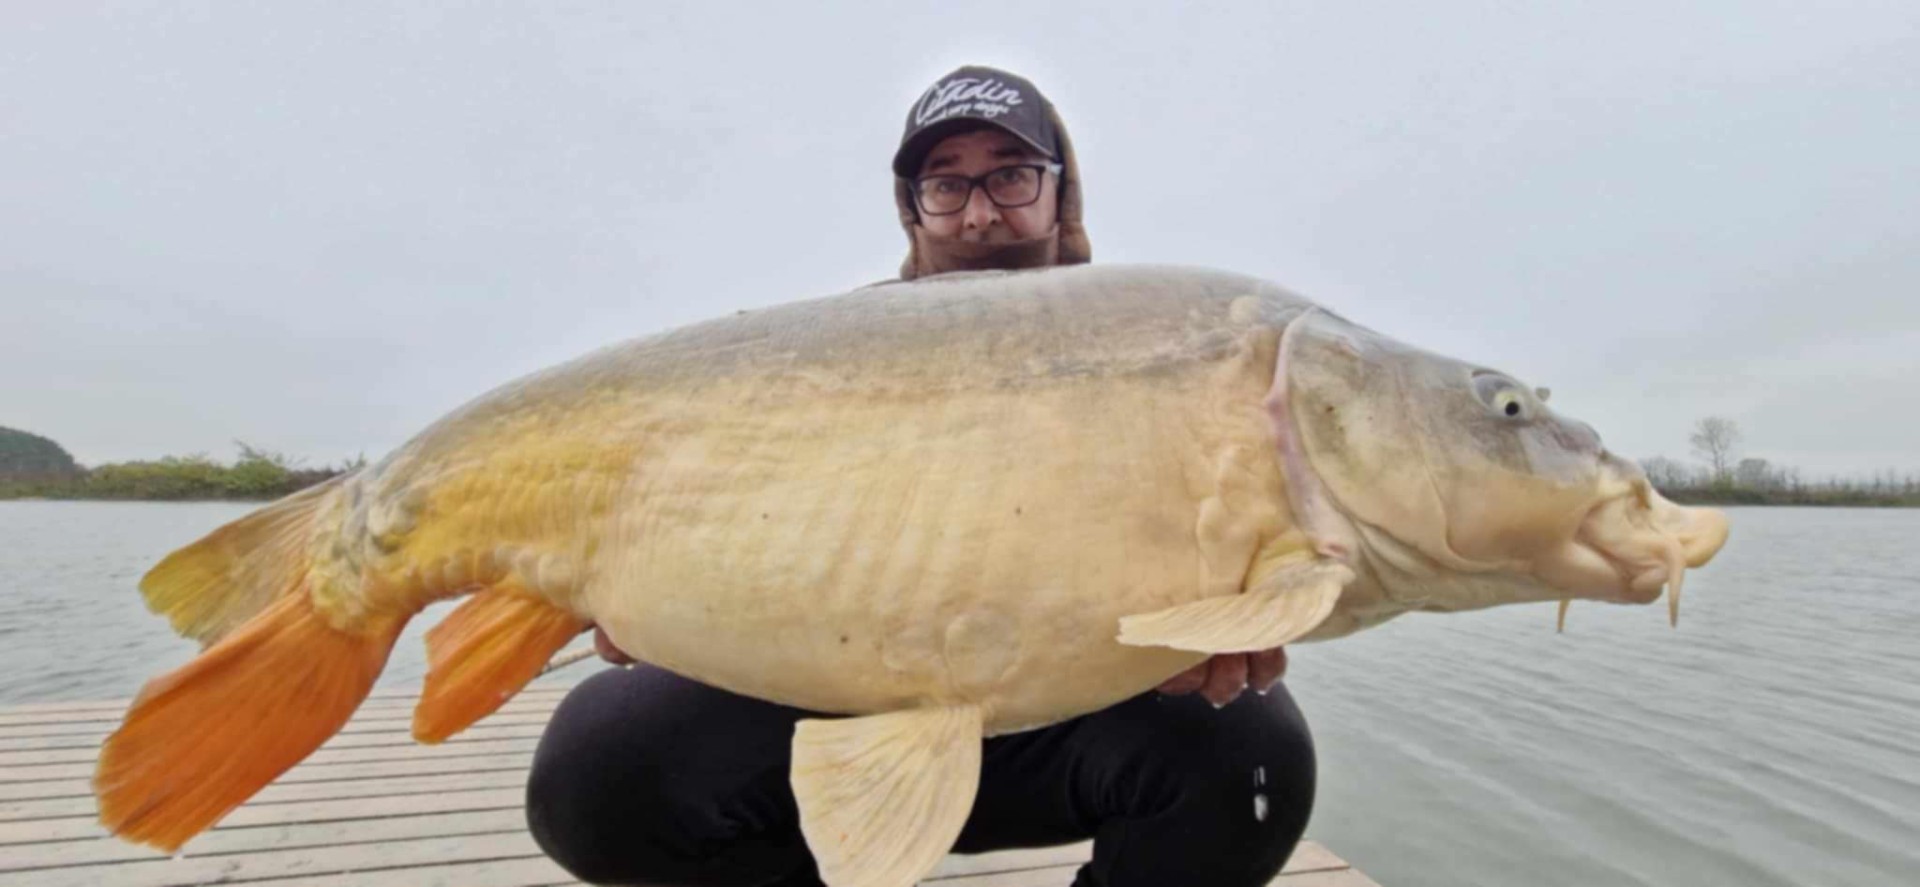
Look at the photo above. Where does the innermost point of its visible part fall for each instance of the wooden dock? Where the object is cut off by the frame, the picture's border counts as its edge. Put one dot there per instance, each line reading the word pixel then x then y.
pixel 372 808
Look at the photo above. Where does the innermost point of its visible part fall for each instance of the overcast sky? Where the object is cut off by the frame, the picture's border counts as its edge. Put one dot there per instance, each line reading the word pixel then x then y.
pixel 317 229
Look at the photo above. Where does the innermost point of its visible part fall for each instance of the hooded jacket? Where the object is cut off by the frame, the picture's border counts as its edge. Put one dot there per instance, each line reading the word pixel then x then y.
pixel 1066 245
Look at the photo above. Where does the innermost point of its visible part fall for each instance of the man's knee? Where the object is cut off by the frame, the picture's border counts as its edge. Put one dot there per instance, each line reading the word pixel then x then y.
pixel 1255 741
pixel 1260 772
pixel 642 775
pixel 1221 795
pixel 588 774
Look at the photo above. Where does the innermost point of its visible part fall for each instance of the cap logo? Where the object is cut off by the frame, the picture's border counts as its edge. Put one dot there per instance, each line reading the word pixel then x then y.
pixel 988 98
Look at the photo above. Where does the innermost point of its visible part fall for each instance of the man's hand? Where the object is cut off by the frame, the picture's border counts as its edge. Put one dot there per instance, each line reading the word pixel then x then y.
pixel 1222 678
pixel 603 645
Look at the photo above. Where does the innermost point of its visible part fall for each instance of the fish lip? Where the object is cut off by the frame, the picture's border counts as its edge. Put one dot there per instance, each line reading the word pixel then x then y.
pixel 1642 538
pixel 1580 569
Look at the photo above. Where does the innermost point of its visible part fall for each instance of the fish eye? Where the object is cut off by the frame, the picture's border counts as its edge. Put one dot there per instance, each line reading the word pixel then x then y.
pixel 1502 395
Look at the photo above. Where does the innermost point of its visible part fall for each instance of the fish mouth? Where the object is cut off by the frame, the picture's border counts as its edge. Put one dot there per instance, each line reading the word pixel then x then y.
pixel 1633 545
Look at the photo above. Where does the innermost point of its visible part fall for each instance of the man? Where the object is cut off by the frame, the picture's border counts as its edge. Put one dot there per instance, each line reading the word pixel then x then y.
pixel 646 777
pixel 972 122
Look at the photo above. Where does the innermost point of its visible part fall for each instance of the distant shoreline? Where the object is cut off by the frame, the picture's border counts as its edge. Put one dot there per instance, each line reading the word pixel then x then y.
pixel 257 476
pixel 1804 499
pixel 39 493
pixel 161 499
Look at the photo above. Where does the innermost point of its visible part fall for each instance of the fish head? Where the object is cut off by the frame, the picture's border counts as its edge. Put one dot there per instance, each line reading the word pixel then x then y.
pixel 1465 484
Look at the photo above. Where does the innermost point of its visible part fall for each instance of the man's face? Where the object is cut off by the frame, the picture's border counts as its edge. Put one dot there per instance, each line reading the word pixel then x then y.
pixel 977 153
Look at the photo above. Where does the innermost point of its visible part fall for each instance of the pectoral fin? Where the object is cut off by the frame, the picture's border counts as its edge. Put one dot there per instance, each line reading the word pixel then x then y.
pixel 1282 608
pixel 883 797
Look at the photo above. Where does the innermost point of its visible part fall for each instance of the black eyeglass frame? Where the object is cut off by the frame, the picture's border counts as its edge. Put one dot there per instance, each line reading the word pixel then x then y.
pixel 980 182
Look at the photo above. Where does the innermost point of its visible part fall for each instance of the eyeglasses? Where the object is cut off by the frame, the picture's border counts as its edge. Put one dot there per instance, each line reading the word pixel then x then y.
pixel 1008 187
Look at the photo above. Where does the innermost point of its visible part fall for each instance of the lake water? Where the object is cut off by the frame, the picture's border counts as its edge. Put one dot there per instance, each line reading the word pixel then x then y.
pixel 1773 739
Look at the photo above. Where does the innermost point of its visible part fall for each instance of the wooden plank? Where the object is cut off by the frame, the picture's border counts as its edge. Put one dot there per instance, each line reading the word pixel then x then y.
pixel 397 718
pixel 380 723
pixel 1312 857
pixel 360 747
pixel 397 698
pixel 17 746
pixel 79 800
pixel 957 870
pixel 389 769
pixel 1339 878
pixel 523 872
pixel 366 808
pixel 45 743
pixel 110 713
pixel 394 744
pixel 11 792
pixel 1052 876
pixel 319 761
pixel 958 865
pixel 446 763
pixel 247 816
pixel 228 842
pixel 99 731
pixel 303 862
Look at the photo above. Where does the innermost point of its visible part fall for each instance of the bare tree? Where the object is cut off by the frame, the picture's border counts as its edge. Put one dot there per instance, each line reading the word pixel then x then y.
pixel 1755 474
pixel 1667 474
pixel 1714 440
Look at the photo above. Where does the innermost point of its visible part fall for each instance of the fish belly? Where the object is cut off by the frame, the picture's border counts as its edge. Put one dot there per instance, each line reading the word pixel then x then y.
pixel 855 555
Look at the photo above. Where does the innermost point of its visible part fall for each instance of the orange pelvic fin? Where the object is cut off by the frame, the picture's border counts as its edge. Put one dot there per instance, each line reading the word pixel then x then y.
pixel 203 738
pixel 483 653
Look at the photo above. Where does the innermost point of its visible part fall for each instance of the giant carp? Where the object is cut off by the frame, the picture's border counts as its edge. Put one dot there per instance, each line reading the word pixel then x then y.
pixel 946 509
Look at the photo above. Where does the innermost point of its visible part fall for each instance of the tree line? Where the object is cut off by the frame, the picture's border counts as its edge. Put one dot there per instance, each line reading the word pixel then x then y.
pixel 1726 478
pixel 37 473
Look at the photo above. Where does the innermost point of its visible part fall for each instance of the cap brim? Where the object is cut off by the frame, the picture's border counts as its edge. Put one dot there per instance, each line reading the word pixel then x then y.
pixel 907 160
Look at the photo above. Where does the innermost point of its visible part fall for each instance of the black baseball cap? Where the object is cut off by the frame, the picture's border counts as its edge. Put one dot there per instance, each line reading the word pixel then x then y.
pixel 966 99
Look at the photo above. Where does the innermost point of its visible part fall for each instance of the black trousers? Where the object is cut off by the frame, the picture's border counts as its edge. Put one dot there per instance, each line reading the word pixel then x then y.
pixel 645 777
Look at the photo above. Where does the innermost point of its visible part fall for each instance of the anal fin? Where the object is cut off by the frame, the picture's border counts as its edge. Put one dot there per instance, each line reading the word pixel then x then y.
pixel 1283 607
pixel 483 653
pixel 883 797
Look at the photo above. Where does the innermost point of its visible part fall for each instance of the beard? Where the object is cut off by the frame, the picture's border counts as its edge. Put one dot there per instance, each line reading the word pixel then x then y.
pixel 995 249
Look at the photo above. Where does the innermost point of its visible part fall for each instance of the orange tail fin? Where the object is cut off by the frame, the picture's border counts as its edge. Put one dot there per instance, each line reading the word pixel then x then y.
pixel 202 739
pixel 483 653
pixel 215 585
